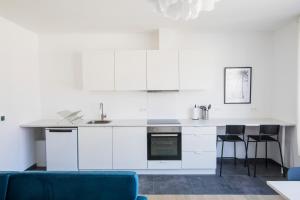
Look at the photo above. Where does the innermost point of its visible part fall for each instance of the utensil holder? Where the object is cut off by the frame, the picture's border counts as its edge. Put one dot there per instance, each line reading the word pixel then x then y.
pixel 205 114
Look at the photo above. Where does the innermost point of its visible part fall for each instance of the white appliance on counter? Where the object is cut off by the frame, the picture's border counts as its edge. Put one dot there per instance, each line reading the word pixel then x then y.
pixel 61 149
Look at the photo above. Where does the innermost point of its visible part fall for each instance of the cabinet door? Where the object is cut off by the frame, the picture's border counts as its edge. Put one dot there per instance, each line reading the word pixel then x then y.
pixel 162 70
pixel 199 138
pixel 199 147
pixel 197 70
pixel 130 70
pixel 130 148
pixel 199 160
pixel 95 148
pixel 98 70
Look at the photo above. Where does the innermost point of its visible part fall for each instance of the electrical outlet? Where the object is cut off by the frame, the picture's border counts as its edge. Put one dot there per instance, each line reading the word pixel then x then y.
pixel 2 118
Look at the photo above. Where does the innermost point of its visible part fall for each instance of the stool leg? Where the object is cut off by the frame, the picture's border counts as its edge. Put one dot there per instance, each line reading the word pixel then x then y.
pixel 266 157
pixel 255 159
pixel 221 158
pixel 234 154
pixel 246 160
pixel 246 157
pixel 282 166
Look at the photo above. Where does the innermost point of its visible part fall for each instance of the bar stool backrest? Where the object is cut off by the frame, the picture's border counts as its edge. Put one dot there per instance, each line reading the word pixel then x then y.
pixel 235 129
pixel 269 129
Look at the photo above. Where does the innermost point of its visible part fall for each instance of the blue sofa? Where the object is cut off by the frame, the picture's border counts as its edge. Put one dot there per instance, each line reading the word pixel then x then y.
pixel 69 186
pixel 294 174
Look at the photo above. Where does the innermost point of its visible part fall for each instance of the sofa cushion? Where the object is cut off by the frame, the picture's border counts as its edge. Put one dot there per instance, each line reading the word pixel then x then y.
pixel 73 186
pixel 294 174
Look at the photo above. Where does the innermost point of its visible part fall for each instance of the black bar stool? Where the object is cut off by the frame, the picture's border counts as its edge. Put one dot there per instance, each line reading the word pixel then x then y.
pixel 233 133
pixel 267 133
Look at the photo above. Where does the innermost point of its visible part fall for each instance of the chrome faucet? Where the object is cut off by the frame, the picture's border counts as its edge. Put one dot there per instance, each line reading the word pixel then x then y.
pixel 103 116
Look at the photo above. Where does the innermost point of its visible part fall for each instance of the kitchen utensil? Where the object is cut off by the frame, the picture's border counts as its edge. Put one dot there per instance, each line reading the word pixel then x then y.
pixel 209 107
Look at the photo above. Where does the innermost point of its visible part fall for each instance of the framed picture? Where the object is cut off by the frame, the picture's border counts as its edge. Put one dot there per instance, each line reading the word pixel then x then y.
pixel 237 85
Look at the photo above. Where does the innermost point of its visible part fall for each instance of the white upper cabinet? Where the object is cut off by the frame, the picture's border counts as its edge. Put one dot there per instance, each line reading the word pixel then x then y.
pixel 130 70
pixel 196 70
pixel 162 70
pixel 98 70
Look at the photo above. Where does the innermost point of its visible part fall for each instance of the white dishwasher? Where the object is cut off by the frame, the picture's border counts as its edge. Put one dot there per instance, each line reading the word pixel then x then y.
pixel 61 149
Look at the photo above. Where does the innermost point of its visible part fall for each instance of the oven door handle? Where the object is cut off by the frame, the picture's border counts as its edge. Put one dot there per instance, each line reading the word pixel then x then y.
pixel 164 135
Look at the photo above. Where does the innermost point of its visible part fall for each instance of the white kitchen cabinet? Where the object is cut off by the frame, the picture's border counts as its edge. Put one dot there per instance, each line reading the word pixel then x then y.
pixel 199 142
pixel 199 139
pixel 98 70
pixel 130 70
pixel 199 147
pixel 129 148
pixel 61 149
pixel 199 160
pixel 162 70
pixel 196 69
pixel 95 148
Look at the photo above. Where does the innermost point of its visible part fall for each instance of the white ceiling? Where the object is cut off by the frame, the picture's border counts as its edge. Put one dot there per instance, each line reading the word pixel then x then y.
pixel 137 15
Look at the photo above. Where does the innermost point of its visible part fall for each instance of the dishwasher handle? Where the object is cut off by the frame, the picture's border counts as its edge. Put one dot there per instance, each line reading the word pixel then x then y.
pixel 60 130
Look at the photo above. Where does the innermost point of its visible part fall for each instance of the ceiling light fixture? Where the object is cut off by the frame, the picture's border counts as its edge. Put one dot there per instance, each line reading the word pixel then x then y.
pixel 183 9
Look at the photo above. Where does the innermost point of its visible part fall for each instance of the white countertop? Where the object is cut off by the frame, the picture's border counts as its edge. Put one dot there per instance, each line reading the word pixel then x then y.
pixel 143 122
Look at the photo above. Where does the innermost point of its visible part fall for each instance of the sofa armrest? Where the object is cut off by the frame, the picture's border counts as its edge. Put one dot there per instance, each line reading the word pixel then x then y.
pixel 294 174
pixel 4 178
pixel 141 198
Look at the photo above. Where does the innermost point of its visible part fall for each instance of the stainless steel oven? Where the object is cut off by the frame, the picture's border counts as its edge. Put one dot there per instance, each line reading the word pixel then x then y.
pixel 164 142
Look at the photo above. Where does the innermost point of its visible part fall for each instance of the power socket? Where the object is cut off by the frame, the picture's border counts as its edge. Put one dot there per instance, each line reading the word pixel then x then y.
pixel 2 118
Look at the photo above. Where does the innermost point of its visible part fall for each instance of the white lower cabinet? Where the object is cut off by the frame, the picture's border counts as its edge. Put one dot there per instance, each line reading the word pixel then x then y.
pixel 199 142
pixel 129 148
pixel 125 148
pixel 95 148
pixel 199 147
pixel 199 160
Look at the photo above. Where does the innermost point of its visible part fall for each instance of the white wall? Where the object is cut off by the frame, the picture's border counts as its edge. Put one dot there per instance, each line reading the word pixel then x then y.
pixel 285 84
pixel 60 65
pixel 298 87
pixel 226 49
pixel 60 75
pixel 19 95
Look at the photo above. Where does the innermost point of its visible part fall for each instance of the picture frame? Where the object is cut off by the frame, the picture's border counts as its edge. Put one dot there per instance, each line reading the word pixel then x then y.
pixel 237 85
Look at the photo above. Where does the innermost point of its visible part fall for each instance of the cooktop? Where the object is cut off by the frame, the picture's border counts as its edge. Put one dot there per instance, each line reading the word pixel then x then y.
pixel 162 121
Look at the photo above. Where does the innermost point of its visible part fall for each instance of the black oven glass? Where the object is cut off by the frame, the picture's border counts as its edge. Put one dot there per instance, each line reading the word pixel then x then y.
pixel 164 146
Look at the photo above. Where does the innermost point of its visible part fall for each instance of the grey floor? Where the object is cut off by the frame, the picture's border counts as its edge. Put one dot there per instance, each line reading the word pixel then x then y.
pixel 234 181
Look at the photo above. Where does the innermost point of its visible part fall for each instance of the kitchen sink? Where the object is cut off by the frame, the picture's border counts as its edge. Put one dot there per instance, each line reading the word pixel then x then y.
pixel 99 122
